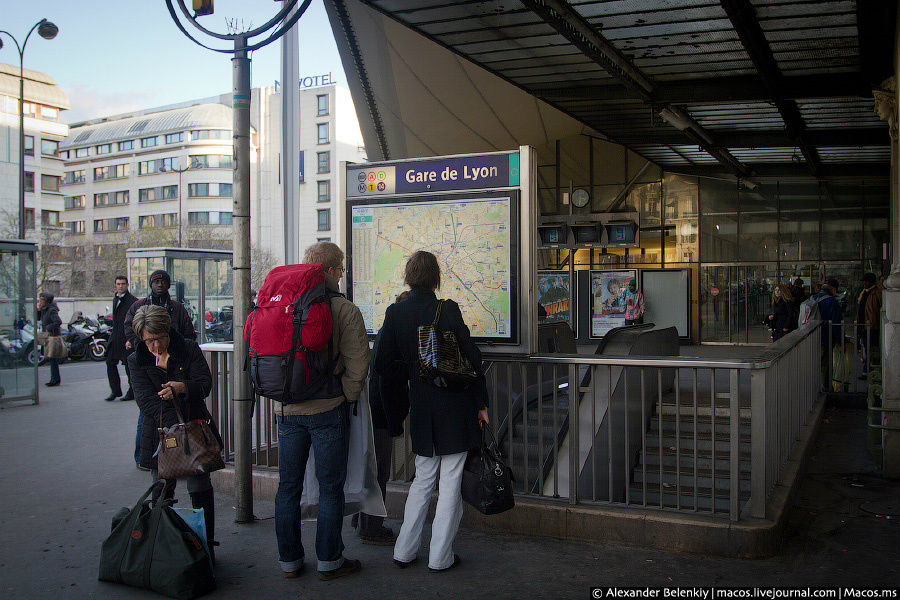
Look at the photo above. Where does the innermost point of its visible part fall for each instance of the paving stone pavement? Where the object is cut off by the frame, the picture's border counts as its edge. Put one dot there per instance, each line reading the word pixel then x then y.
pixel 66 467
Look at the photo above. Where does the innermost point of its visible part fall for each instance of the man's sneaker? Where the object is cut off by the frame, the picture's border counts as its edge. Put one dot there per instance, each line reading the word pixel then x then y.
pixel 293 574
pixel 350 566
pixel 381 537
pixel 111 397
pixel 141 467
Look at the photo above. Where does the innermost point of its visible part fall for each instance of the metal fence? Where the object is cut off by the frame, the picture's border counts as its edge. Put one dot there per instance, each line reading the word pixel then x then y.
pixel 677 434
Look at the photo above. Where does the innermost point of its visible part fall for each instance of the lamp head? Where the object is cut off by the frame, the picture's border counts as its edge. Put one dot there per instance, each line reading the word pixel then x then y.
pixel 47 30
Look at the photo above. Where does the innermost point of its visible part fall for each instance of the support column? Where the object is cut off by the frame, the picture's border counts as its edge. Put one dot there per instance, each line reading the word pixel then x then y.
pixel 886 103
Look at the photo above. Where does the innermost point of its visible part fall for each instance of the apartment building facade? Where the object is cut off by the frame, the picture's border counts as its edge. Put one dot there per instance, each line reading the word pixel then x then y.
pixel 44 101
pixel 167 172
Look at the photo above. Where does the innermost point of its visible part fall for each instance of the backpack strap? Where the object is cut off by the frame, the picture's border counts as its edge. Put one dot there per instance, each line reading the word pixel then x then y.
pixel 287 361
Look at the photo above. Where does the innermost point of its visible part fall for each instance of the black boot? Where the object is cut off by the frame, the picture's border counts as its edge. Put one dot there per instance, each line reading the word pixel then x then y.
pixel 205 501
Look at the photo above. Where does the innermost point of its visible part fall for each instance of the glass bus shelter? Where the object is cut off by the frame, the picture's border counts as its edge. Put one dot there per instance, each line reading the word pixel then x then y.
pixel 18 358
pixel 202 280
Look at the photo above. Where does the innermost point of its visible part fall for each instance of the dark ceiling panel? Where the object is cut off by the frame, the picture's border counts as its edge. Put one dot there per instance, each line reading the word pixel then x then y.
pixel 694 58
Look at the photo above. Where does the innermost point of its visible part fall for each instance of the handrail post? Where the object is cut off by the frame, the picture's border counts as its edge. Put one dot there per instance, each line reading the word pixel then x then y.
pixel 735 466
pixel 758 429
pixel 574 450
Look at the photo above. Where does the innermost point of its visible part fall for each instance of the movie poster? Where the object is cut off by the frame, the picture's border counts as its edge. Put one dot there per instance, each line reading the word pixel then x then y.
pixel 608 299
pixel 554 295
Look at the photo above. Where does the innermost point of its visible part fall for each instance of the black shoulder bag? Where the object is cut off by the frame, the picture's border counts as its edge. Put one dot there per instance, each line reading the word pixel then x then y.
pixel 487 480
pixel 441 362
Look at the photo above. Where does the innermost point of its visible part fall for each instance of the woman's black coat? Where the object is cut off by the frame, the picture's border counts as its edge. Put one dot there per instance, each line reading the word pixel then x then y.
pixel 785 318
pixel 50 321
pixel 440 421
pixel 186 363
pixel 394 387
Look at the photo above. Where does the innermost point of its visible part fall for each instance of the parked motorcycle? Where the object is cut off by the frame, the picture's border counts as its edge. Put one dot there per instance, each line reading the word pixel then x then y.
pixel 85 337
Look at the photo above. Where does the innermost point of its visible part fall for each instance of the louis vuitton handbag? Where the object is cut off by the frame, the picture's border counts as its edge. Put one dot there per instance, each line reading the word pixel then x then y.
pixel 441 362
pixel 188 448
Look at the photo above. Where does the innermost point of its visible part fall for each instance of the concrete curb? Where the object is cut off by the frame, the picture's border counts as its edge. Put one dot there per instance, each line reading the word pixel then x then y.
pixel 662 530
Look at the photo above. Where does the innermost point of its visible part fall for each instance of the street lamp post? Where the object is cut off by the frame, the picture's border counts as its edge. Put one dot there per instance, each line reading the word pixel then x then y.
pixel 48 31
pixel 180 172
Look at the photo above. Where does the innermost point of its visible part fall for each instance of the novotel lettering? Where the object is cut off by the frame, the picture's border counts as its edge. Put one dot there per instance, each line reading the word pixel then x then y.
pixel 316 80
pixel 473 173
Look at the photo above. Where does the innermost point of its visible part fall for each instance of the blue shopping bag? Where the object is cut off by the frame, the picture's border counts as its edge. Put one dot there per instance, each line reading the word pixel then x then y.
pixel 194 519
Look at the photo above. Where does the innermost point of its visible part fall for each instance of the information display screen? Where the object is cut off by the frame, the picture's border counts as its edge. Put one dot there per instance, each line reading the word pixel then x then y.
pixel 475 239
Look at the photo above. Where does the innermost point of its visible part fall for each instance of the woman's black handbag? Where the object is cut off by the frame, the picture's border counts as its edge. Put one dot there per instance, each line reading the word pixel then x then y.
pixel 440 360
pixel 486 480
pixel 154 549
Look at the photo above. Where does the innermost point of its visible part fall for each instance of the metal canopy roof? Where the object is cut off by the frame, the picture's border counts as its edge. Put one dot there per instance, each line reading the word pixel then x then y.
pixel 747 87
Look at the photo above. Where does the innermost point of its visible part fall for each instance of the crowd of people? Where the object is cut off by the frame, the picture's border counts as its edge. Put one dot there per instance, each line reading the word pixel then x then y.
pixel 155 339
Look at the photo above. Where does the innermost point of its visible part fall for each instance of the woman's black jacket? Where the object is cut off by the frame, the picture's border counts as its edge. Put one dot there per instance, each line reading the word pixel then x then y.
pixel 186 363
pixel 785 316
pixel 50 321
pixel 395 388
pixel 441 421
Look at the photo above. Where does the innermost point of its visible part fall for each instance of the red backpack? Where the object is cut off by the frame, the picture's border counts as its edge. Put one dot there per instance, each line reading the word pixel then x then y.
pixel 288 334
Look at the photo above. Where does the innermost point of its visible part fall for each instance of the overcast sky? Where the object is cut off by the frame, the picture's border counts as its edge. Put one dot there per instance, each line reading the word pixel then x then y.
pixel 113 56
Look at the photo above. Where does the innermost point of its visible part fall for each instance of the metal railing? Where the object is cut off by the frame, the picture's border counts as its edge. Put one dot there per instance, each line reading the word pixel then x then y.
pixel 708 436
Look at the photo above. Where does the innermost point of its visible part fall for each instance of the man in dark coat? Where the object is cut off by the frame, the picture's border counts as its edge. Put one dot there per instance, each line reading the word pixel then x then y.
pixel 160 282
pixel 115 351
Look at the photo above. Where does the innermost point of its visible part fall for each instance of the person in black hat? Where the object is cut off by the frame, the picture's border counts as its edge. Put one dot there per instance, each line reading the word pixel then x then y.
pixel 181 322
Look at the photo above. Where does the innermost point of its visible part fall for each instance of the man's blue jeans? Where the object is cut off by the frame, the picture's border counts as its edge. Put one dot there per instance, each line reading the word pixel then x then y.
pixel 328 434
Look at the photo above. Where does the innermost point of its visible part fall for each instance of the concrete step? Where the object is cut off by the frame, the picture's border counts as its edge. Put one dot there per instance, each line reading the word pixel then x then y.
pixel 703 461
pixel 670 480
pixel 686 500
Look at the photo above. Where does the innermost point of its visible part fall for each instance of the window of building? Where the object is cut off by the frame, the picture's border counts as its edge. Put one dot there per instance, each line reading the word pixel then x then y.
pixel 156 194
pixel 29 181
pixel 29 218
pixel 324 219
pixel 49 113
pixel 29 145
pixel 112 172
pixel 49 218
pixel 148 142
pixel 103 148
pixel 126 145
pixel 73 202
pixel 81 152
pixel 72 177
pixel 49 147
pixel 324 162
pixel 210 161
pixel 322 105
pixel 64 154
pixel 209 190
pixel 30 109
pixel 324 239
pixel 210 134
pixel 324 191
pixel 50 183
pixel 164 220
pixel 107 225
pixel 111 198
pixel 160 165
pixel 174 138
pixel 322 129
pixel 209 218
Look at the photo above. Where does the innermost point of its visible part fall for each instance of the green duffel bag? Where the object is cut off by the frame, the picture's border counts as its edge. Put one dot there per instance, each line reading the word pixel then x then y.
pixel 154 549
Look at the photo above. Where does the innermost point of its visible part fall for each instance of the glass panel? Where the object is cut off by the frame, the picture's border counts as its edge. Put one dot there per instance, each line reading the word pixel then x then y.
pixel 186 287
pixel 800 235
pixel 875 235
pixel 219 301
pixel 758 225
pixel 718 223
pixel 714 302
pixel 841 234
pixel 139 274
pixel 17 318
pixel 759 283
pixel 680 206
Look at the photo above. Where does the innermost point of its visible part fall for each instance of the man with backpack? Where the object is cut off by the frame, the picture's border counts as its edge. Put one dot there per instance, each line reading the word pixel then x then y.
pixel 320 417
pixel 825 307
